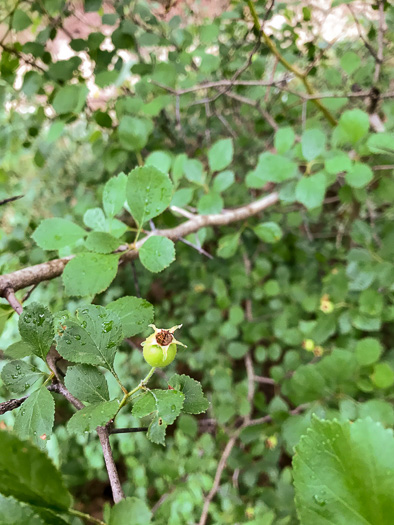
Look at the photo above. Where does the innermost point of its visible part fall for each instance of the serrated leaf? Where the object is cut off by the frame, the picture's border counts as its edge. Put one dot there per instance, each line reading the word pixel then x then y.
pixel 92 416
pixel 344 473
pixel 144 405
pixel 121 512
pixel 310 191
pixel 87 383
pixel 28 475
pixel 148 193
pixel 101 242
pixel 157 431
pixel 18 350
pixel 36 328
pixel 168 404
pixel 195 401
pixel 35 417
pixel 157 253
pixel 13 512
pixel 114 194
pixel 57 233
pixel 135 314
pixel 90 273
pixel 220 154
pixel 18 376
pixel 268 232
pixel 381 143
pixel 94 218
pixel 91 338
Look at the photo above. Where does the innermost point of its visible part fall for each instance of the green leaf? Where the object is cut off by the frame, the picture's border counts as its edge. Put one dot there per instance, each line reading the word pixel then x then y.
pixel 18 376
pixel 87 383
pixel 368 351
pixel 32 82
pixel 337 164
pixel 36 328
pixel 344 474
pixel 383 375
pixel 70 99
pixel 381 143
pixel 177 167
pixel 157 253
pixel 91 338
pixel 310 191
pixel 101 242
pixel 114 194
pixel 148 192
pixel 35 417
pixel 144 405
pixel 18 350
pixel 359 175
pixel 350 62
pixel 182 197
pixel 157 431
pixel 53 234
pixel 228 245
pixel 354 125
pixel 134 132
pixel 135 314
pixel 14 512
pixel 94 218
pixel 195 401
pixel 194 171
pixel 20 20
pixel 223 181
pixel 160 160
pixel 220 154
pixel 24 474
pixel 313 142
pixel 210 203
pixel 90 273
pixel 268 232
pixel 271 168
pixel 121 512
pixel 284 139
pixel 92 416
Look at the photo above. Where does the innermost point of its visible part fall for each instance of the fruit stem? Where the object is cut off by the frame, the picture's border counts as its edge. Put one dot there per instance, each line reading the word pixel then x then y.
pixel 127 396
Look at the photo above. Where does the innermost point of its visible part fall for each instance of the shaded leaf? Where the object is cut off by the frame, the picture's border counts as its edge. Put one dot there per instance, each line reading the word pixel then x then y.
pixel 86 383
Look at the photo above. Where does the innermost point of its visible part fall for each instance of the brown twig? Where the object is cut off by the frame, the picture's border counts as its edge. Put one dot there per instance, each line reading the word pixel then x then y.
pixel 117 491
pixel 127 430
pixel 381 30
pixel 10 296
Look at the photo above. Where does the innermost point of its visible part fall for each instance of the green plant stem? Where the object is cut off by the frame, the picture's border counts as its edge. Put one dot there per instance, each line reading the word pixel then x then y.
pixel 86 517
pixel 135 390
pixel 298 73
pixel 139 158
pixel 124 390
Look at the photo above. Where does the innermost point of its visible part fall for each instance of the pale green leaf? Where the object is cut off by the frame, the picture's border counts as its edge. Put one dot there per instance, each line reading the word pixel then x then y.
pixel 228 245
pixel 310 190
pixel 359 175
pixel 157 253
pixel 210 203
pixel 268 232
pixel 223 181
pixel 271 168
pixel 284 139
pixel 121 512
pixel 313 142
pixel 220 154
pixel 56 233
pixel 114 194
pixel 90 273
pixel 13 512
pixel 354 125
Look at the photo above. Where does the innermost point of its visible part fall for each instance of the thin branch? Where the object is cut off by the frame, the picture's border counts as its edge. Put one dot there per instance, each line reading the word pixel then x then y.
pixel 10 199
pixel 198 248
pixel 128 430
pixel 360 34
pixel 51 269
pixel 381 31
pixel 117 491
pixel 10 296
pixel 264 380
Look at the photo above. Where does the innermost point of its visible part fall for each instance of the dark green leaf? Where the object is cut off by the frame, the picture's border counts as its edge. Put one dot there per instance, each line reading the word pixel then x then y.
pixel 101 242
pixel 36 328
pixel 87 383
pixel 195 401
pixel 135 314
pixel 220 155
pixel 268 232
pixel 90 273
pixel 121 512
pixel 92 416
pixel 18 376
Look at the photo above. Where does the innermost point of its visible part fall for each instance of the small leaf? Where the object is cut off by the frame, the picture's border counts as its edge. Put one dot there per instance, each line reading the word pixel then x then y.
pixel 284 139
pixel 36 328
pixel 350 61
pixel 70 99
pixel 268 232
pixel 354 124
pixel 195 401
pixel 310 191
pixel 114 194
pixel 35 417
pixel 144 405
pixel 14 512
pixel 383 375
pixel 182 197
pixel 134 132
pixel 228 245
pixel 359 175
pixel 121 512
pixel 157 253
pixel 53 234
pixel 333 468
pixel 20 20
pixel 313 142
pixel 148 192
pixel 220 155
pixel 87 383
pixel 18 376
pixel 92 416
pixel 160 160
pixel 223 181
pixel 210 203
pixel 91 338
pixel 368 351
pixel 194 171
pixel 381 143
pixel 90 273
pixel 101 242
pixel 135 314
pixel 94 218
pixel 337 164
pixel 271 168
pixel 168 404
pixel 157 431
pixel 18 350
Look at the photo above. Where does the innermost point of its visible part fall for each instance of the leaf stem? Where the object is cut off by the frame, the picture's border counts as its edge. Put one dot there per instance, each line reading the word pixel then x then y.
pixel 86 517
pixel 139 158
pixel 135 390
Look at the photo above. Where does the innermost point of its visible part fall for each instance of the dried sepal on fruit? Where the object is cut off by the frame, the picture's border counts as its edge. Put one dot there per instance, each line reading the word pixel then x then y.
pixel 160 347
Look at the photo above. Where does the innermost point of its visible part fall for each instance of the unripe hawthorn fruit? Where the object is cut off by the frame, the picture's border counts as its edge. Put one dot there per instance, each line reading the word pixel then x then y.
pixel 160 347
